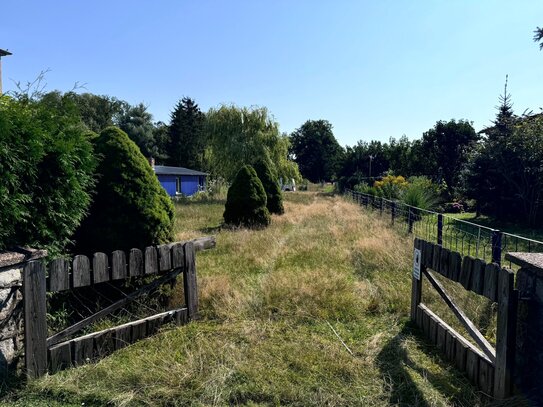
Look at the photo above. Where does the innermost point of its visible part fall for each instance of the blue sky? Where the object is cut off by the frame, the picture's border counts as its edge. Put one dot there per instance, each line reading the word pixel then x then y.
pixel 374 69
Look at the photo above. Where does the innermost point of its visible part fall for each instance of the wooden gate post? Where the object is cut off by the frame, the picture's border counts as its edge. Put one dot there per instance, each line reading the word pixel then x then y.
pixel 189 281
pixel 416 286
pixel 35 320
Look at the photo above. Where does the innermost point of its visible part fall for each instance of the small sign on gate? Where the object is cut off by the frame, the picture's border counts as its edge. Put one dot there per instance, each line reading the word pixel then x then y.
pixel 416 264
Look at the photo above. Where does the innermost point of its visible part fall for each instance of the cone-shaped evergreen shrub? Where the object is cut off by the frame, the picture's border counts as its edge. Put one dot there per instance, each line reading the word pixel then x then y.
pixel 246 200
pixel 271 186
pixel 130 207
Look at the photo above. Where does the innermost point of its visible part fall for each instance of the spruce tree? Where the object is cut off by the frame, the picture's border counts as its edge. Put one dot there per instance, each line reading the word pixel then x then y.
pixel 130 207
pixel 187 139
pixel 246 200
pixel 269 180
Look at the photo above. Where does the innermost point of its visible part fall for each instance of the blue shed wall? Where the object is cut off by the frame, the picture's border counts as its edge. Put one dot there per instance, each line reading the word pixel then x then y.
pixel 189 184
pixel 168 182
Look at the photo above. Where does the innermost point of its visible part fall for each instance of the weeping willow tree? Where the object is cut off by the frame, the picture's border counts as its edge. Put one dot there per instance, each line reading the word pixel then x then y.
pixel 240 136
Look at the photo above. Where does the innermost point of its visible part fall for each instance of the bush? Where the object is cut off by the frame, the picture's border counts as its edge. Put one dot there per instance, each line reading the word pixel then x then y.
pixel 47 168
pixel 274 201
pixel 390 186
pixel 421 192
pixel 130 209
pixel 246 200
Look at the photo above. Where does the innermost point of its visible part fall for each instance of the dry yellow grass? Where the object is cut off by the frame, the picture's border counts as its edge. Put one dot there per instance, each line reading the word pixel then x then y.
pixel 269 299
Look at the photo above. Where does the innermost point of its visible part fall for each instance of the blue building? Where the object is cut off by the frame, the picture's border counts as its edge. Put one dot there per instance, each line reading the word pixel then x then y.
pixel 180 181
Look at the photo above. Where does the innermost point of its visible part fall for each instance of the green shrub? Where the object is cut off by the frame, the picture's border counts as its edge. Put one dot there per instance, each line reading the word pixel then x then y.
pixel 421 192
pixel 246 200
pixel 47 172
pixel 130 209
pixel 271 186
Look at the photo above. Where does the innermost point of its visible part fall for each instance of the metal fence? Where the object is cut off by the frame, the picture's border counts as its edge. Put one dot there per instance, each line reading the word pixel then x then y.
pixel 459 235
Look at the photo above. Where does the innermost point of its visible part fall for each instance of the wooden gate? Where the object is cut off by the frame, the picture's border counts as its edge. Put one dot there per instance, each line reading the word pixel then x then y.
pixel 488 368
pixel 61 350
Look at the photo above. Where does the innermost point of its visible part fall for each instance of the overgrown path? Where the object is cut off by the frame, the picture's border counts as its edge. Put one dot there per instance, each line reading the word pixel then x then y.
pixel 269 299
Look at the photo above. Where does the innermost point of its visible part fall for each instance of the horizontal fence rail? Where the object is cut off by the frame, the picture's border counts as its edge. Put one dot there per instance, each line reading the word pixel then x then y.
pixel 467 238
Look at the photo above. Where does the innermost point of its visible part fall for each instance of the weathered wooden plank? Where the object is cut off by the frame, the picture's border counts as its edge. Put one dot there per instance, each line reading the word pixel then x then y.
pixel 450 341
pixel 181 317
pixel 189 281
pixel 81 271
pixel 35 311
pixel 455 264
pixel 486 377
pixel 436 259
pixel 419 318
pixel 151 260
pixel 448 328
pixel 83 349
pixel 60 356
pixel 139 330
pixel 441 337
pixel 178 255
pixel 467 272
pixel 118 265
pixel 58 337
pixel 444 262
pixel 104 343
pixel 427 249
pixel 100 268
pixel 204 243
pixel 164 257
pixel 460 355
pixel 479 339
pixel 136 263
pixel 472 365
pixel 426 324
pixel 505 334
pixel 432 330
pixel 491 282
pixel 478 276
pixel 59 275
pixel 122 336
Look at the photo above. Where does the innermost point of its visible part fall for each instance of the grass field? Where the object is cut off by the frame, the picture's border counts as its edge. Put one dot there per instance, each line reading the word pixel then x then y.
pixel 274 306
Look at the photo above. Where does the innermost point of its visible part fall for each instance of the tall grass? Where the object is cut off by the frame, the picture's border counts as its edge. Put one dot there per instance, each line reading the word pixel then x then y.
pixel 269 299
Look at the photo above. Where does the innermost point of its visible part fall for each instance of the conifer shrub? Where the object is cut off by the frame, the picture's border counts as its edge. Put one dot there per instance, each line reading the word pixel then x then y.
pixel 246 200
pixel 271 186
pixel 130 207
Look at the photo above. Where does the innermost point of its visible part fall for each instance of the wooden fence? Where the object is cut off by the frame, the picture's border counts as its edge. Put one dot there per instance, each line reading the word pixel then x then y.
pixel 488 368
pixel 61 350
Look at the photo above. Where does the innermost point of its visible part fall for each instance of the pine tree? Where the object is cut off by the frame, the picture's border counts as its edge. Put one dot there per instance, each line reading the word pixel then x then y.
pixel 187 138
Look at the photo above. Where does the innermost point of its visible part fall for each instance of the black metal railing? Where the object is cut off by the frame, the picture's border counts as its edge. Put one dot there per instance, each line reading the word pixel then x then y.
pixel 459 235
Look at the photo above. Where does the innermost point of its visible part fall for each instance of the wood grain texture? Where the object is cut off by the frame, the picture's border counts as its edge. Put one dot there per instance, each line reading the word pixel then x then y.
pixel 100 268
pixel 164 257
pixel 444 262
pixel 35 322
pixel 118 265
pixel 505 334
pixel 436 259
pixel 491 282
pixel 60 356
pixel 189 281
pixel 478 276
pixel 151 260
pixel 466 273
pixel 59 275
pixel 136 263
pixel 178 255
pixel 81 271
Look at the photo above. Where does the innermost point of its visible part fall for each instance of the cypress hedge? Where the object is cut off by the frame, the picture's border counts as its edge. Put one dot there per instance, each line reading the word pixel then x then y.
pixel 271 186
pixel 130 208
pixel 246 200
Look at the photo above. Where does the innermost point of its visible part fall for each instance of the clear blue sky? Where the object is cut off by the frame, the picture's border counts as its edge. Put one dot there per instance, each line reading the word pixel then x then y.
pixel 374 69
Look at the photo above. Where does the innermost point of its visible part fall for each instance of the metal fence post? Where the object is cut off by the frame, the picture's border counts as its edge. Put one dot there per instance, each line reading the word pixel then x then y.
pixel 497 247
pixel 393 211
pixel 410 221
pixel 439 228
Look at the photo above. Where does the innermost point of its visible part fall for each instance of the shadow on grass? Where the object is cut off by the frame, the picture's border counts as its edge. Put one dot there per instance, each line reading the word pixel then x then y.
pixel 394 364
pixel 189 201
